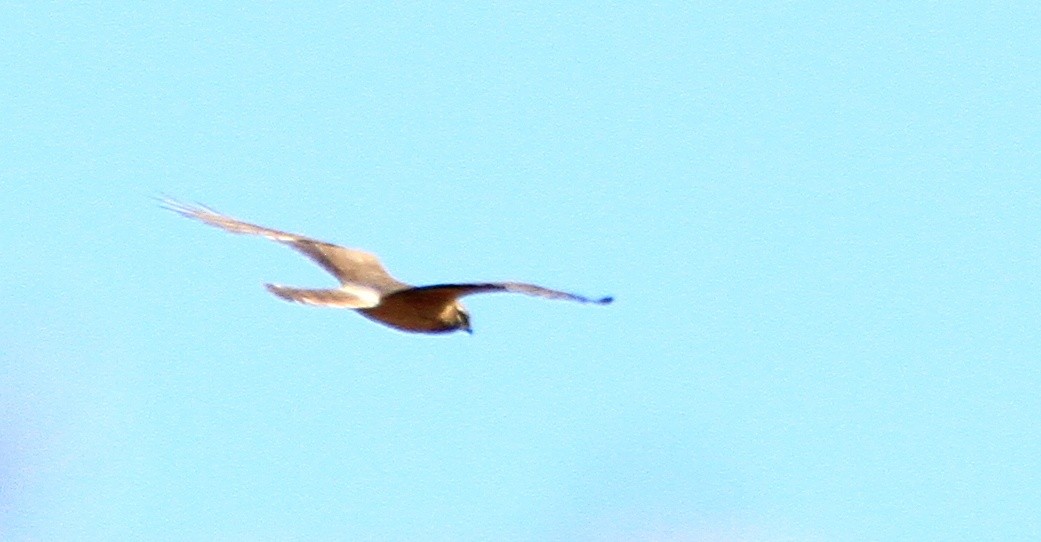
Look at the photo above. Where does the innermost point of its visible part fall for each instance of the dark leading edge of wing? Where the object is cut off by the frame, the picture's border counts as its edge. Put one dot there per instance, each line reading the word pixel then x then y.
pixel 460 290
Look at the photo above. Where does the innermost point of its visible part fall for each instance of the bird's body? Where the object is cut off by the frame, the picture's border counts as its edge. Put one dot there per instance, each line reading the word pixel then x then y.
pixel 417 313
pixel 367 287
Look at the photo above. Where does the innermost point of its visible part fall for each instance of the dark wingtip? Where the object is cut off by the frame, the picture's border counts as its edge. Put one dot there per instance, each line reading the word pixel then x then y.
pixel 605 300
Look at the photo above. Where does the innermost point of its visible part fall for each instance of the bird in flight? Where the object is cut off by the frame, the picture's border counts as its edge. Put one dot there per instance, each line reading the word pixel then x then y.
pixel 367 287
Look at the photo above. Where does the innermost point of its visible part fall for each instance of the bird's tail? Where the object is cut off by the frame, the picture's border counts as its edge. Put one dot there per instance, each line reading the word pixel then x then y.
pixel 341 298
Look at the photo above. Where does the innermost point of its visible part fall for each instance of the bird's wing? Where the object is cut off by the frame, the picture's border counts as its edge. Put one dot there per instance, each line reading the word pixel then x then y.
pixel 447 293
pixel 352 267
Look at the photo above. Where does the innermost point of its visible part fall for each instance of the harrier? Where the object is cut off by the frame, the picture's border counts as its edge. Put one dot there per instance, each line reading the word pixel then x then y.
pixel 367 287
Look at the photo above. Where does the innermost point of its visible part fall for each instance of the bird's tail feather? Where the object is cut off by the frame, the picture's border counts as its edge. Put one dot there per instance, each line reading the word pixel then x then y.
pixel 343 298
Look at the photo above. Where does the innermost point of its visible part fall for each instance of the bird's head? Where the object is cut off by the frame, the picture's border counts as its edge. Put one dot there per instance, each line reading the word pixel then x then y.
pixel 462 319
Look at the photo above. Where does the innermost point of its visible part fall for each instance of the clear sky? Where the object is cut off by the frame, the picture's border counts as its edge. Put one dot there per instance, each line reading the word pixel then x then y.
pixel 821 223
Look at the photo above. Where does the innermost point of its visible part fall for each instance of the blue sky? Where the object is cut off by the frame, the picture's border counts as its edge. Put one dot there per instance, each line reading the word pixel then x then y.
pixel 821 224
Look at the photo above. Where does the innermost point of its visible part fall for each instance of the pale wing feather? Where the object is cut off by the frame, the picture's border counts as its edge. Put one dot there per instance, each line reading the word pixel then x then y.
pixel 349 266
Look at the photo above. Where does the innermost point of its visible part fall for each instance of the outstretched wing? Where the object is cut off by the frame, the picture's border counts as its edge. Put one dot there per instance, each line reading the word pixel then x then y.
pixel 447 293
pixel 352 267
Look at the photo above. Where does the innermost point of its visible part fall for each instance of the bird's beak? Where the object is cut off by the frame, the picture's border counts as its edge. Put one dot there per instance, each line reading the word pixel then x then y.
pixel 468 330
